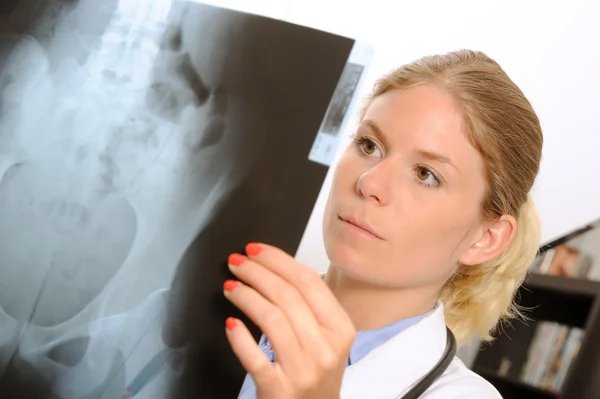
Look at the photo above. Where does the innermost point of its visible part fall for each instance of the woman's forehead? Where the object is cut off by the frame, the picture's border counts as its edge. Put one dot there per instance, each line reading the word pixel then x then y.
pixel 422 109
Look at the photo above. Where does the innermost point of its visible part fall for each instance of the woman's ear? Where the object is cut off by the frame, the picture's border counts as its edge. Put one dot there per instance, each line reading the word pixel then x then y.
pixel 496 237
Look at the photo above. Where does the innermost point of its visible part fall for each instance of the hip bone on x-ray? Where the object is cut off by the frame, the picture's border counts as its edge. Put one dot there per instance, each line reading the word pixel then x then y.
pixel 141 142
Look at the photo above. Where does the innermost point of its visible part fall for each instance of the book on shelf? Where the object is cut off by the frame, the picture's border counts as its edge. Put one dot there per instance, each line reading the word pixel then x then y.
pixel 565 261
pixel 550 354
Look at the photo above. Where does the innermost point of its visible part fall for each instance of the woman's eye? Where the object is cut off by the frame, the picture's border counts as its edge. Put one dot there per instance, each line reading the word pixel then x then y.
pixel 367 146
pixel 426 177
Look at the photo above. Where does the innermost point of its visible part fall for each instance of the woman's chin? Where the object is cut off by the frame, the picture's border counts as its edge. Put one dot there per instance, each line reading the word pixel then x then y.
pixel 349 260
pixel 360 266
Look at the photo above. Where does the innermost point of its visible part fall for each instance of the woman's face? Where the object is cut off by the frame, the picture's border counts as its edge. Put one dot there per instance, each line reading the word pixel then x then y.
pixel 404 208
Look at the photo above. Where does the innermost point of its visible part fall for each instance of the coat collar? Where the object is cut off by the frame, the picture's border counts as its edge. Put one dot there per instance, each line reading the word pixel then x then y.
pixel 391 368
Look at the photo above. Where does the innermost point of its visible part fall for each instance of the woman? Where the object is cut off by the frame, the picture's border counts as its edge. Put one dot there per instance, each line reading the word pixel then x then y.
pixel 428 224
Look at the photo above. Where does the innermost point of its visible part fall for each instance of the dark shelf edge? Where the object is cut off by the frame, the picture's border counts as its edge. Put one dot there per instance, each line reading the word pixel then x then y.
pixel 563 284
pixel 569 236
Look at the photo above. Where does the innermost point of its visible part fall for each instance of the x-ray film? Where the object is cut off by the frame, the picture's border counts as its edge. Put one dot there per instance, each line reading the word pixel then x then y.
pixel 142 142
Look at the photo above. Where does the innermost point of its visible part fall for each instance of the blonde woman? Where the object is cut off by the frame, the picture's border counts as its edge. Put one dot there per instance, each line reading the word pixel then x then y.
pixel 428 225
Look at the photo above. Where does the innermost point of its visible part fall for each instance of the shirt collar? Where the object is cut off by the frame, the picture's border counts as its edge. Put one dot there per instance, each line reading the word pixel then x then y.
pixel 365 341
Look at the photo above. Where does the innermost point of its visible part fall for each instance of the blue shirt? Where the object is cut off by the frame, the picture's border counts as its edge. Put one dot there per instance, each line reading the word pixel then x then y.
pixel 364 342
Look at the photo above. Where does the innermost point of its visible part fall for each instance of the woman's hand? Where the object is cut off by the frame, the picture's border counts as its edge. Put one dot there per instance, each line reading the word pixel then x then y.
pixel 308 329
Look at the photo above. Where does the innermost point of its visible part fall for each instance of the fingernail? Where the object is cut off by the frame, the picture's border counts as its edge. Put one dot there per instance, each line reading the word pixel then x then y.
pixel 231 323
pixel 236 259
pixel 230 285
pixel 253 249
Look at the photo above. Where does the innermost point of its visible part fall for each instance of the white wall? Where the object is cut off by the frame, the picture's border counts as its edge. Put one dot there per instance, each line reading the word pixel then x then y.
pixel 550 49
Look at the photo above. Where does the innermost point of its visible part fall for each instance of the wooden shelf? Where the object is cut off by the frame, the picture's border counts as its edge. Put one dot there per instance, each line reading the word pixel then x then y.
pixel 571 302
pixel 567 301
pixel 563 284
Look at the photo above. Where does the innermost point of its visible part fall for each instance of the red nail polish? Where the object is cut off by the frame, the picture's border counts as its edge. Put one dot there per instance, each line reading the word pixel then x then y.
pixel 231 323
pixel 230 285
pixel 253 249
pixel 236 259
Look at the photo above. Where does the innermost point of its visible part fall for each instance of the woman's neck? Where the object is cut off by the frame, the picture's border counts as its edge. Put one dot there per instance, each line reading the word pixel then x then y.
pixel 373 306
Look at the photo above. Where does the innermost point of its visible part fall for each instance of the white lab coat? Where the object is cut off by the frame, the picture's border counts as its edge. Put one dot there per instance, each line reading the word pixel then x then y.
pixel 390 369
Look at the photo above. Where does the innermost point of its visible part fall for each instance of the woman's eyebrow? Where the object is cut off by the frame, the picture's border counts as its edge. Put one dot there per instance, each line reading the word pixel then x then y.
pixel 377 132
pixel 435 156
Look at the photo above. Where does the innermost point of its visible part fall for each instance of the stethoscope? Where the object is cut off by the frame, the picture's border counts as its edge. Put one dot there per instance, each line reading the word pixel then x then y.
pixel 156 365
pixel 428 379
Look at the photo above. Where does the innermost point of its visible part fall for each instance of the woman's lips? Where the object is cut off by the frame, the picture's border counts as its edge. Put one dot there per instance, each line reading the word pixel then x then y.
pixel 359 227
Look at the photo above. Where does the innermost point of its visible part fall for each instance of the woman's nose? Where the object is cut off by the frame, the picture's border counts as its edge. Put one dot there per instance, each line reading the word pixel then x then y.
pixel 374 184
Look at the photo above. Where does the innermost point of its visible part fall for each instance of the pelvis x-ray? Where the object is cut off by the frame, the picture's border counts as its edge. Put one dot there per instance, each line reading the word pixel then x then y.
pixel 141 142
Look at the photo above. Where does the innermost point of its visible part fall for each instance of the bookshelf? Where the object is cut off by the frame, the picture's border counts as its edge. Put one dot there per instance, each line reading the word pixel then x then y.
pixel 556 353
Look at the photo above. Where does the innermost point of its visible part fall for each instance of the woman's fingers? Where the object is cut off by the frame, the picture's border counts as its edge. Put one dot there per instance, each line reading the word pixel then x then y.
pixel 309 330
pixel 286 297
pixel 254 361
pixel 270 319
pixel 323 304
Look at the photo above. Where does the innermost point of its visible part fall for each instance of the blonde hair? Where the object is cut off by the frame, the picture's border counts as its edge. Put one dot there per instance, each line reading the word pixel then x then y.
pixel 502 125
